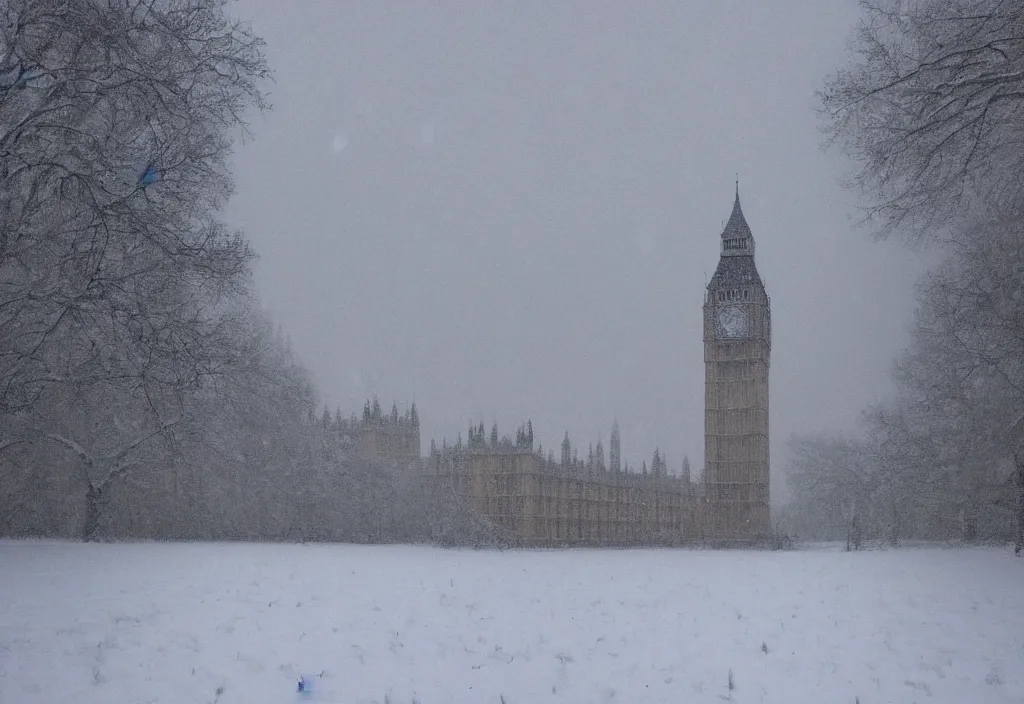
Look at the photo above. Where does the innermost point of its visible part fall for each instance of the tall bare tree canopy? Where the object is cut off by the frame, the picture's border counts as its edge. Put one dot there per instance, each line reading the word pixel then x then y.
pixel 120 289
pixel 116 121
pixel 931 109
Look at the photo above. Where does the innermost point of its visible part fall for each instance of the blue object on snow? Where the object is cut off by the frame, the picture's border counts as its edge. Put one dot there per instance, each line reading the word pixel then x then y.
pixel 302 684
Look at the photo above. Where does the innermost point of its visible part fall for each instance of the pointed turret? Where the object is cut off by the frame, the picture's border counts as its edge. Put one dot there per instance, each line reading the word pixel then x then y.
pixel 736 268
pixel 615 459
pixel 737 239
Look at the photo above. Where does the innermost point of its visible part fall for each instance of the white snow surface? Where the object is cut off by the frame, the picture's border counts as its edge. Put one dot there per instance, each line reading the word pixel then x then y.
pixel 148 623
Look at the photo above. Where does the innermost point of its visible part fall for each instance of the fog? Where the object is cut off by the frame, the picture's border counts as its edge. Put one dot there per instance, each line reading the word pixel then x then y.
pixel 510 211
pixel 220 221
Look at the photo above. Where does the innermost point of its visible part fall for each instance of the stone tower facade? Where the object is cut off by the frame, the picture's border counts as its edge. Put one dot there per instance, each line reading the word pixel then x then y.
pixel 737 349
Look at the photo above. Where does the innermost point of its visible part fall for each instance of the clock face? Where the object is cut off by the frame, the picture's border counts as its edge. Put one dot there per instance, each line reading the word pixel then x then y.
pixel 732 322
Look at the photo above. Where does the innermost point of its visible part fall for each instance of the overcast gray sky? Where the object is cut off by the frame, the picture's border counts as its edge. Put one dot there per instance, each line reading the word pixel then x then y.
pixel 510 210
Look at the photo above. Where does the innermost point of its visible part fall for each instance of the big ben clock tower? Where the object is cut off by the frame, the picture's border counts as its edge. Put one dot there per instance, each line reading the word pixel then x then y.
pixel 737 347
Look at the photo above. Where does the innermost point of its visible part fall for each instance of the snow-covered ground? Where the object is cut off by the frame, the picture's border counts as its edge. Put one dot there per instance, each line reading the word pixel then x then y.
pixel 146 623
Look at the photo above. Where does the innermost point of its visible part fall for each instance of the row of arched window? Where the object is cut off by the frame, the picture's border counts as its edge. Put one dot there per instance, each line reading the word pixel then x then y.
pixel 734 295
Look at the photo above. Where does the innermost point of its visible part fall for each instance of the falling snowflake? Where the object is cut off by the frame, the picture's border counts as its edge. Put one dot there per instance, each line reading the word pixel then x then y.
pixel 339 142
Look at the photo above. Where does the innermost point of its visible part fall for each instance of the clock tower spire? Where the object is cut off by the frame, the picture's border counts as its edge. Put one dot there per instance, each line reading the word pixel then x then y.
pixel 737 350
pixel 737 239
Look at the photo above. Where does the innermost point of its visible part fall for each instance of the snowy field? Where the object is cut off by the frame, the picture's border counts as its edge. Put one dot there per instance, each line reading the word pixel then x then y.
pixel 140 624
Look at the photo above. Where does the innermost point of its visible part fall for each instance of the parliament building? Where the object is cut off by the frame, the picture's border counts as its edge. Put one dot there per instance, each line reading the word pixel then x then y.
pixel 547 501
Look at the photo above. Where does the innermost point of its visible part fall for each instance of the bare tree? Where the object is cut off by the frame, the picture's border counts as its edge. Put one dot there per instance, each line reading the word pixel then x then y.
pixel 113 166
pixel 943 457
pixel 837 486
pixel 116 277
pixel 964 373
pixel 932 109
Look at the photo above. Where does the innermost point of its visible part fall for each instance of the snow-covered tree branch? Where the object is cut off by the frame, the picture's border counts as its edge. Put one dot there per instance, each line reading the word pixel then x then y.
pixel 115 126
pixel 932 109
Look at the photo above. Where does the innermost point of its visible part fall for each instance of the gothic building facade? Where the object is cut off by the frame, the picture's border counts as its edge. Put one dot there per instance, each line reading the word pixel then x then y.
pixel 391 437
pixel 538 501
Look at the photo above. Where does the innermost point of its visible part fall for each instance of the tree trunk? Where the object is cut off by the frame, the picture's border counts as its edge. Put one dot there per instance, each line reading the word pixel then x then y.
pixel 894 533
pixel 93 496
pixel 1018 460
